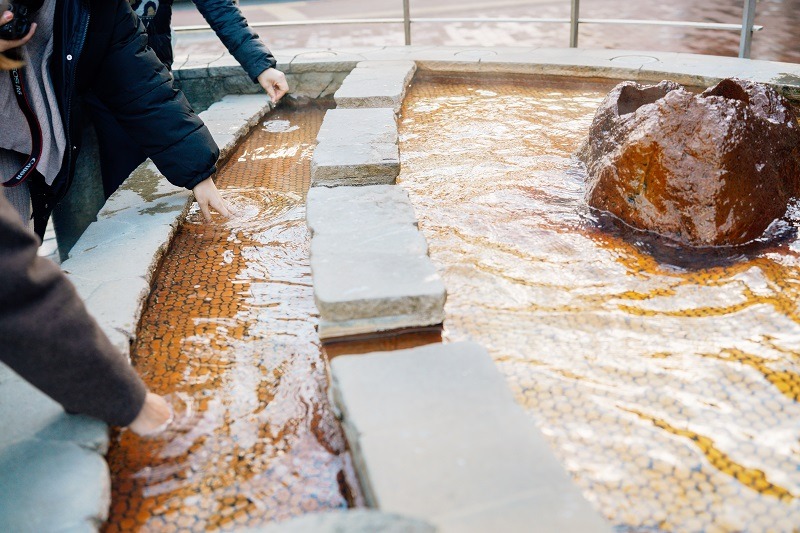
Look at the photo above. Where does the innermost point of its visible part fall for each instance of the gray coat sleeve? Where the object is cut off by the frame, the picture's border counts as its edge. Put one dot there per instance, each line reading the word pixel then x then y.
pixel 241 41
pixel 50 340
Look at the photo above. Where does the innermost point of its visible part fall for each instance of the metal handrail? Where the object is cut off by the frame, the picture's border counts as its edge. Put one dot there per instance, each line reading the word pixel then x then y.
pixel 746 28
pixel 675 23
pixel 281 23
pixel 748 17
pixel 574 22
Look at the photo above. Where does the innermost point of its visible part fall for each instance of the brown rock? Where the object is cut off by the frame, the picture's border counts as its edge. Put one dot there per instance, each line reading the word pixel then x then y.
pixel 707 170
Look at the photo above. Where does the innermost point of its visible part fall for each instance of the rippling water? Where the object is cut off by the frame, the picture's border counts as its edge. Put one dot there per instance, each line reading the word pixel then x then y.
pixel 229 334
pixel 669 392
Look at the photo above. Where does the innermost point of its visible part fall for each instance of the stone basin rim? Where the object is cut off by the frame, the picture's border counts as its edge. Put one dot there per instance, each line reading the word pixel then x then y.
pixel 684 68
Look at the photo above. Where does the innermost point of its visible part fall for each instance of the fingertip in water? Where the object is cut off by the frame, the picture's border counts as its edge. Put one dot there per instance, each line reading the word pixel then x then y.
pixel 159 431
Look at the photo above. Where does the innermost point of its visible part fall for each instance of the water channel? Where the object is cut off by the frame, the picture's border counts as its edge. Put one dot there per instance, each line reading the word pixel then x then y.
pixel 229 335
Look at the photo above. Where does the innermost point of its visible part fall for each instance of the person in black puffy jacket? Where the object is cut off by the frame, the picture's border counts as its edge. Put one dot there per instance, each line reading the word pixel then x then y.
pixel 100 51
pixel 119 153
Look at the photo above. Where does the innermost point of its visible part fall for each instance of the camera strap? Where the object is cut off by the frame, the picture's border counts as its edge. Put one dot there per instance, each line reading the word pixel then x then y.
pixel 17 80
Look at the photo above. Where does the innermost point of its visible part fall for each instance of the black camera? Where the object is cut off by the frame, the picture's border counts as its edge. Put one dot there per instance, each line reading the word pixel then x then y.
pixel 24 11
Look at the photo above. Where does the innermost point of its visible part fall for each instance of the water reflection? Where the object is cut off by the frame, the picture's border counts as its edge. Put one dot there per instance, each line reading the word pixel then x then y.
pixel 668 390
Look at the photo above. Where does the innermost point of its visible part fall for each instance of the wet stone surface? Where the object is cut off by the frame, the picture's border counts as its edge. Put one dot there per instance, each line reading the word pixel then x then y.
pixel 370 263
pixel 356 147
pixel 229 335
pixel 376 84
pixel 437 435
pixel 364 210
pixel 669 392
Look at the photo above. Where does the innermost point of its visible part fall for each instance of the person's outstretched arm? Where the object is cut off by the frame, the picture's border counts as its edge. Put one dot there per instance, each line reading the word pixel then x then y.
pixel 50 340
pixel 127 77
pixel 138 90
pixel 244 45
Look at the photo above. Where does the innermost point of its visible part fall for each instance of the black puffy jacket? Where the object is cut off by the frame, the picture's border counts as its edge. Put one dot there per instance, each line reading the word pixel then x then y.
pixel 224 18
pixel 100 47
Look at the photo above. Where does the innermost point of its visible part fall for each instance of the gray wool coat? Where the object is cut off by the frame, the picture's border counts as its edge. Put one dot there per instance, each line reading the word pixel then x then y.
pixel 48 337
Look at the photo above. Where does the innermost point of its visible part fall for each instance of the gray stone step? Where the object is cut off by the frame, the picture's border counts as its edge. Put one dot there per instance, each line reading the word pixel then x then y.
pixel 397 241
pixel 376 84
pixel 356 147
pixel 52 485
pixel 364 293
pixel 436 434
pixel 345 127
pixel 52 473
pixel 370 263
pixel 350 210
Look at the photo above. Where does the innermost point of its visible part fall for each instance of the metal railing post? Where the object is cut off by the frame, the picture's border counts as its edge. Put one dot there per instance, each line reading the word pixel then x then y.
pixel 407 20
pixel 574 20
pixel 748 18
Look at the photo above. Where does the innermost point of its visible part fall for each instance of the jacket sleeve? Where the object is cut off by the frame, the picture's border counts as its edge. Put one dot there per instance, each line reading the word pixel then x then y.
pixel 50 340
pixel 138 90
pixel 242 42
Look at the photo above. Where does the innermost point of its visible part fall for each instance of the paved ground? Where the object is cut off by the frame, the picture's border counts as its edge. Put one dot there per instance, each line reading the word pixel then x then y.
pixel 779 40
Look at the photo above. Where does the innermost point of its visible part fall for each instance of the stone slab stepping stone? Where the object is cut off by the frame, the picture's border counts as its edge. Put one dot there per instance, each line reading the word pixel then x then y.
pixel 376 84
pixel 370 263
pixel 356 147
pixel 436 434
pixel 395 241
pixel 351 210
pixel 366 293
pixel 344 127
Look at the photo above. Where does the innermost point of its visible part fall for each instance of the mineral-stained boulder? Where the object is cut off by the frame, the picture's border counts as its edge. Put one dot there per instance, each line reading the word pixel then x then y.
pixel 708 169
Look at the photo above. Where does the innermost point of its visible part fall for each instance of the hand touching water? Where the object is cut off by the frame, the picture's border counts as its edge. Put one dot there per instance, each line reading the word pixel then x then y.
pixel 274 82
pixel 154 417
pixel 208 197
